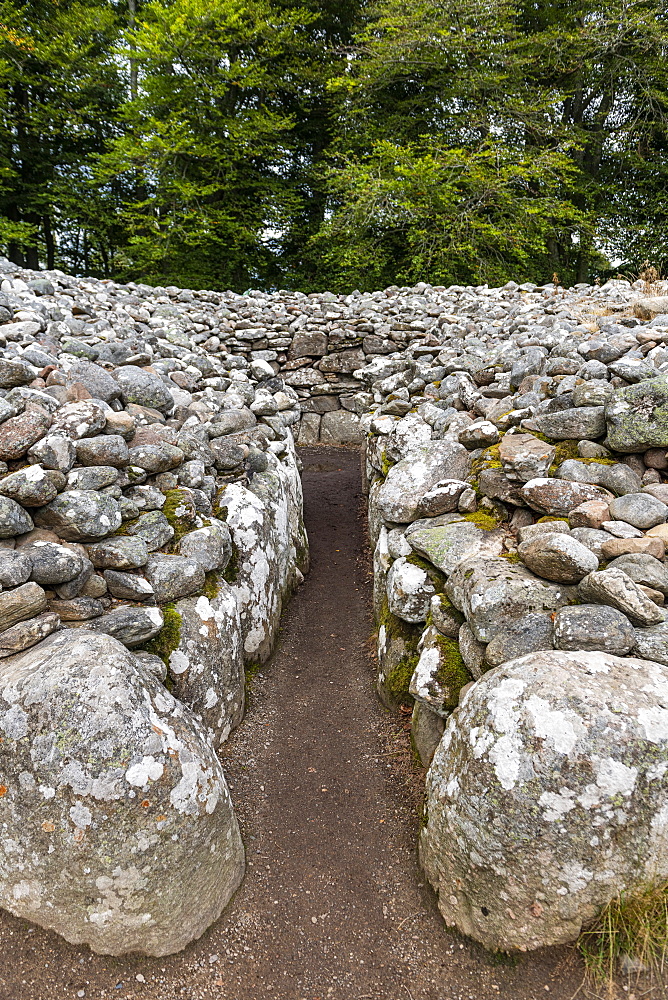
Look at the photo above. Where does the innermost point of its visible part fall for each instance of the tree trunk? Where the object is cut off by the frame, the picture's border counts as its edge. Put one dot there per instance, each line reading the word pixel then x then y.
pixel 50 243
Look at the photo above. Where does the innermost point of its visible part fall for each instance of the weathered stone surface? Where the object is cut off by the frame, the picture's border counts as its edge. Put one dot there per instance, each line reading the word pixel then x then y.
pixel 154 528
pixel 448 539
pixel 340 427
pixel 51 563
pixel 558 557
pixel 637 416
pixel 639 509
pixel 644 569
pixel 77 609
pixel 614 587
pixel 32 487
pixel 132 626
pixel 440 673
pixel 143 387
pixel 14 520
pixel 210 547
pixel 94 477
pixel 15 568
pixel 174 576
pixel 580 422
pixel 525 457
pixel 426 731
pixel 119 552
pixel 492 592
pixel 529 634
pixel 95 379
pixel 409 591
pixel 207 665
pixel 54 451
pixel 18 433
pixel 77 514
pixel 652 643
pixel 106 449
pixel 79 420
pixel 563 746
pixel 593 627
pixel 93 736
pixel 401 495
pixel 21 603
pixel 590 514
pixel 27 633
pixel 559 496
pixel 128 586
pixel 155 457
pixel 654 547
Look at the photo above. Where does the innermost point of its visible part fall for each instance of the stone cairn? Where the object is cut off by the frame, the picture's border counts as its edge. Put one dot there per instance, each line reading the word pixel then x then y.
pixel 151 523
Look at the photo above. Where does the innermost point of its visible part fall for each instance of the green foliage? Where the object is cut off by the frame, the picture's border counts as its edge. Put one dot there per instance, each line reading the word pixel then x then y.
pixel 211 584
pixel 633 924
pixel 313 144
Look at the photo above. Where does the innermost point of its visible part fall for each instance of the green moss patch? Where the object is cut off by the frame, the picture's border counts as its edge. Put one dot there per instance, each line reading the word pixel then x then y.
pixel 397 681
pixel 231 571
pixel 452 675
pixel 168 638
pixel 180 513
pixel 211 584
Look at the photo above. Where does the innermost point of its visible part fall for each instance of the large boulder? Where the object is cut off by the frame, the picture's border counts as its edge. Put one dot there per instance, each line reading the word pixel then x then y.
pixel 637 416
pixel 269 546
pixel 492 592
pixel 406 493
pixel 118 829
pixel 546 799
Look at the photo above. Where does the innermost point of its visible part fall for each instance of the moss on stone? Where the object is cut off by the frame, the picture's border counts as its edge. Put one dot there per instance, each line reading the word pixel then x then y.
pixel 565 450
pixel 452 675
pixel 435 576
pixel 181 523
pixel 386 463
pixel 483 520
pixel 512 557
pixel 398 680
pixel 550 517
pixel 167 640
pixel 231 571
pixel 211 584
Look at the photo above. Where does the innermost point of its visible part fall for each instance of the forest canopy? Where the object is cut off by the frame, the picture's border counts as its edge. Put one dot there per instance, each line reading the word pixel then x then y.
pixel 316 145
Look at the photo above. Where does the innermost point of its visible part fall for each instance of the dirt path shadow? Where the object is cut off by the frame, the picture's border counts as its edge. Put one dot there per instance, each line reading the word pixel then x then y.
pixel 333 904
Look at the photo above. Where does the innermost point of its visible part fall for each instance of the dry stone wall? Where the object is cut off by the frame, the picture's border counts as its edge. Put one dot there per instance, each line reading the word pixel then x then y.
pixel 518 509
pixel 150 530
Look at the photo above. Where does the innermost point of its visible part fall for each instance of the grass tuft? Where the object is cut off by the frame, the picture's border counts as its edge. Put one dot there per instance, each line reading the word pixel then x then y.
pixel 634 924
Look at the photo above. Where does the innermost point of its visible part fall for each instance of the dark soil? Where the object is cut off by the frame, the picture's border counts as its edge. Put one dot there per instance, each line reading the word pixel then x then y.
pixel 328 794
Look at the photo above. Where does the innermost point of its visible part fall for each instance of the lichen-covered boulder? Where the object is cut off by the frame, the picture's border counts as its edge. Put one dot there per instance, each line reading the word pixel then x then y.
pixel 409 590
pixel 440 673
pixel 118 829
pixel 546 796
pixel 492 593
pixel 206 666
pixel 637 416
pixel 448 539
pixel 407 492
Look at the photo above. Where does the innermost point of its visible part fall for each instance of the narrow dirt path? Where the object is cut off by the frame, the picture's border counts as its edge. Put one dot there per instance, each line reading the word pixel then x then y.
pixel 333 904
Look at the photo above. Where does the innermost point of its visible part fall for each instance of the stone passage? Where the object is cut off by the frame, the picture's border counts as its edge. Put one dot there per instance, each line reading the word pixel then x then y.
pixel 332 903
pixel 150 513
